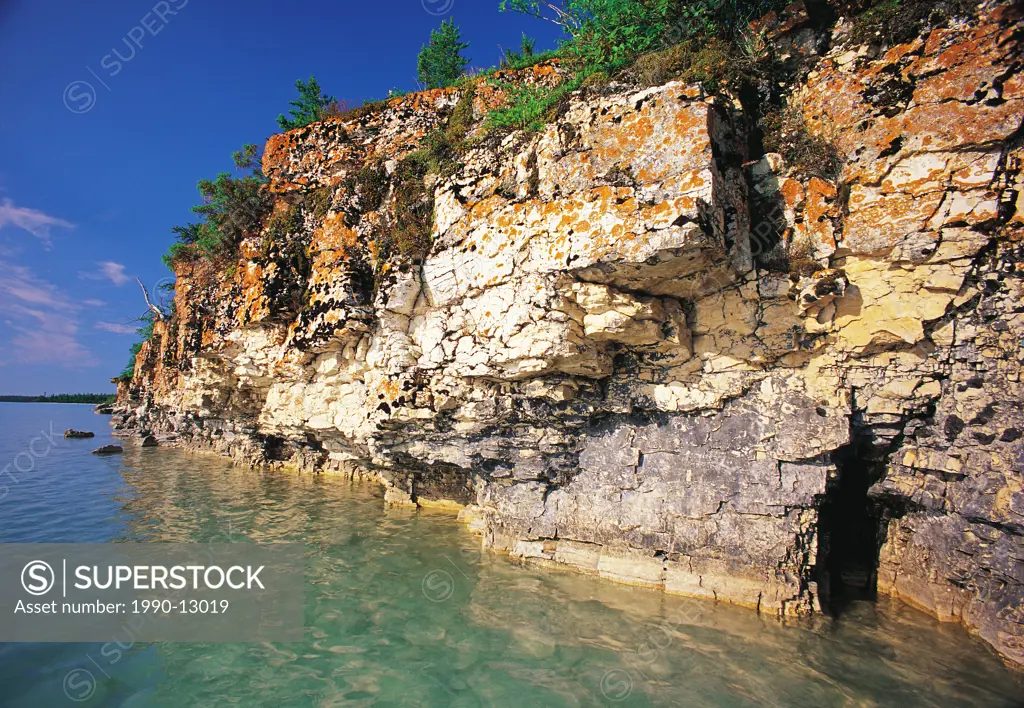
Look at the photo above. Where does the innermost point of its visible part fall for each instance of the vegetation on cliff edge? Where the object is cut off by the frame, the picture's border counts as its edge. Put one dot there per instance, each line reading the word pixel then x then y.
pixel 646 42
pixel 707 39
pixel 440 62
pixel 311 105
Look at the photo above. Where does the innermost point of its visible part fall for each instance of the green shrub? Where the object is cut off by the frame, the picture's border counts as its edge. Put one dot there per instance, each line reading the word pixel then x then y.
pixel 460 122
pixel 232 209
pixel 447 146
pixel 613 32
pixel 442 148
pixel 318 202
pixel 146 333
pixel 440 62
pixel 439 153
pixel 708 42
pixel 407 230
pixel 601 31
pixel 521 59
pixel 531 107
pixel 310 106
pixel 517 62
pixel 369 184
pixel 414 207
pixel 235 207
pixel 725 19
pixel 527 45
pixel 280 227
pixel 250 157
pixel 129 369
pixel 619 30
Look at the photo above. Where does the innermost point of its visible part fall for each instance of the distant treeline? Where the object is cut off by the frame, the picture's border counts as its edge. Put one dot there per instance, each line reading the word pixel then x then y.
pixel 61 398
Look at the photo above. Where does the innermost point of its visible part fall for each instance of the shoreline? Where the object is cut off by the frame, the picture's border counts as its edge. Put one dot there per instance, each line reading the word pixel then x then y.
pixel 621 569
pixel 56 403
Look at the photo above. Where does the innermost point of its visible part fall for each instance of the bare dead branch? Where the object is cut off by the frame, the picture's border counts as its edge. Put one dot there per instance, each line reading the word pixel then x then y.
pixel 158 314
pixel 562 18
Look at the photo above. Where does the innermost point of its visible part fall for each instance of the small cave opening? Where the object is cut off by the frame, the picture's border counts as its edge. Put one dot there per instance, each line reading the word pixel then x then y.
pixel 851 527
pixel 439 482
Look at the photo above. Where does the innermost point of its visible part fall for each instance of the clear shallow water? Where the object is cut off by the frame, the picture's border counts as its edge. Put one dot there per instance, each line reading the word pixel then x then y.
pixel 403 610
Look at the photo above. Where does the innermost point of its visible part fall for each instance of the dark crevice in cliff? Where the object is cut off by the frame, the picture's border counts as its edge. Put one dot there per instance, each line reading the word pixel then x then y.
pixel 852 522
pixel 442 482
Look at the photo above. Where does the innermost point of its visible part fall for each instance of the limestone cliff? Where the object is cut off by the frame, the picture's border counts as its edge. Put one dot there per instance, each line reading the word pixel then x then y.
pixel 600 356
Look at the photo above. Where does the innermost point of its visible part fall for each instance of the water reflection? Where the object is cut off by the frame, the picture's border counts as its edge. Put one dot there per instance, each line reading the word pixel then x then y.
pixel 403 609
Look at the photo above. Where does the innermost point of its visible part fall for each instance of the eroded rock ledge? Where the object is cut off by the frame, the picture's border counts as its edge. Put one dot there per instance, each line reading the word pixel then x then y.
pixel 596 361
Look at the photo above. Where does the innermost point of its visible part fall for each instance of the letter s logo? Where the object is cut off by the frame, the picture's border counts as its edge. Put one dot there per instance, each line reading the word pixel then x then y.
pixel 37 578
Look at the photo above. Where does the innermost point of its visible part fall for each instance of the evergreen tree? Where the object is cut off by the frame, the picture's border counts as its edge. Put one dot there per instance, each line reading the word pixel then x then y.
pixel 250 157
pixel 441 62
pixel 527 45
pixel 232 208
pixel 309 106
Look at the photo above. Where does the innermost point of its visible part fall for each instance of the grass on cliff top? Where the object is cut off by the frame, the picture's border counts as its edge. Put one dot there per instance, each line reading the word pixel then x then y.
pixel 707 42
pixel 530 108
pixel 715 64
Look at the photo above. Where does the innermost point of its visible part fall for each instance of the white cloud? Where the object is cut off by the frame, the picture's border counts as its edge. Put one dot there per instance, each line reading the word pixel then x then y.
pixel 18 283
pixel 44 321
pixel 114 271
pixel 35 222
pixel 116 328
pixel 107 270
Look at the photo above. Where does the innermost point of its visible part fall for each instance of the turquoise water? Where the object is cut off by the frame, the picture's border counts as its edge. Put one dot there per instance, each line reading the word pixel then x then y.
pixel 403 609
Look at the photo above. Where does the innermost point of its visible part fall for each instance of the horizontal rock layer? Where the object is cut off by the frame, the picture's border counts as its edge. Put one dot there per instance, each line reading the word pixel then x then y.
pixel 595 361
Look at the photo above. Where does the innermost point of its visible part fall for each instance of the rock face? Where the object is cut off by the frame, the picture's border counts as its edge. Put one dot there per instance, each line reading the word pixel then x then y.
pixel 597 359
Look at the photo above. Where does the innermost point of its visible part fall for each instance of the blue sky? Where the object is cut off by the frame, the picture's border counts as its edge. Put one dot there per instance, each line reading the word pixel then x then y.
pixel 100 152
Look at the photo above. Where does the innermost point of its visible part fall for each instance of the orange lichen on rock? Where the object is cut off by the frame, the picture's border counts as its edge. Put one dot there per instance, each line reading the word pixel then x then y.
pixel 491 91
pixel 591 293
pixel 333 234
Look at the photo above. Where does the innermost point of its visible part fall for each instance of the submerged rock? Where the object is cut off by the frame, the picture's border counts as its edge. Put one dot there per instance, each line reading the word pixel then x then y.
pixel 108 450
pixel 149 441
pixel 78 434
